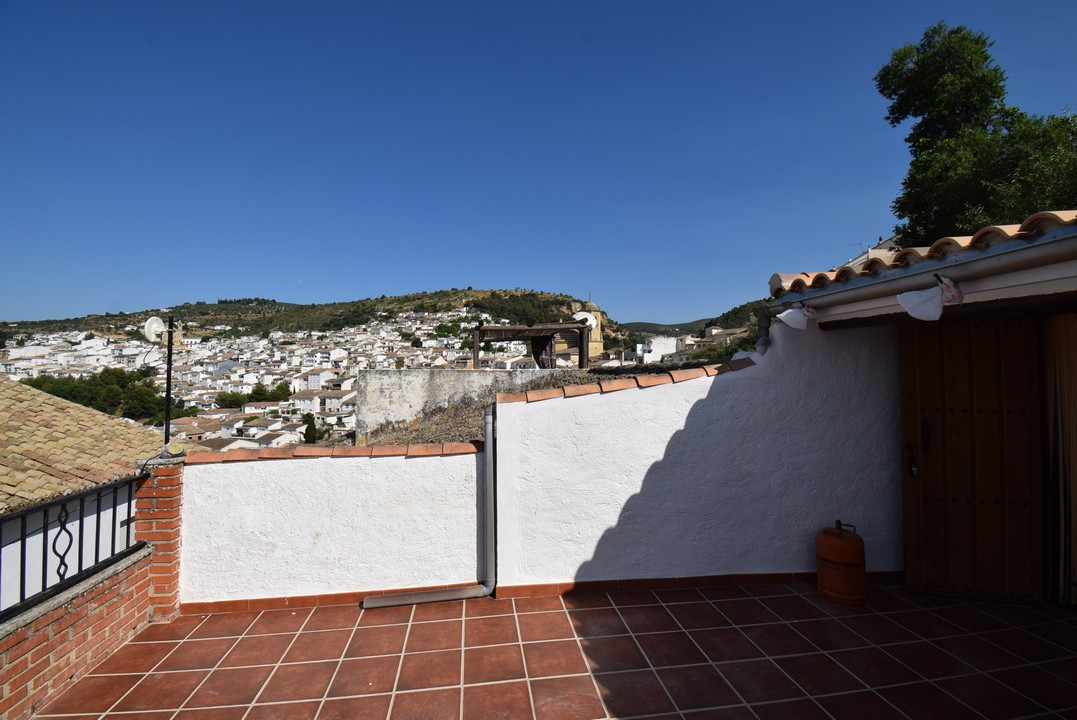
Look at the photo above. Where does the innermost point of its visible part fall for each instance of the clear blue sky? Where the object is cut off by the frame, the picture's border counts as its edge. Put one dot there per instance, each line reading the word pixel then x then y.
pixel 663 157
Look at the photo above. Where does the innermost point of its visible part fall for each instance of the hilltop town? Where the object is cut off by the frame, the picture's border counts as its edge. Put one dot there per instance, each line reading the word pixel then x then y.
pixel 319 368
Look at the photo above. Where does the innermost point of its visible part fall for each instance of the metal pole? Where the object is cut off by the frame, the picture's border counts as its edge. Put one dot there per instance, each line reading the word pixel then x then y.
pixel 168 384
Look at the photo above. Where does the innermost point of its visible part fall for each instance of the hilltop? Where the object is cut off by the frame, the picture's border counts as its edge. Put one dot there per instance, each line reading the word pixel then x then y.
pixel 261 315
pixel 740 316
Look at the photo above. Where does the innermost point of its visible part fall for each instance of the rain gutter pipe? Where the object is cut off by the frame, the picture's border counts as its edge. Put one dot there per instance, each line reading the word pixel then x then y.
pixel 489 550
pixel 1011 256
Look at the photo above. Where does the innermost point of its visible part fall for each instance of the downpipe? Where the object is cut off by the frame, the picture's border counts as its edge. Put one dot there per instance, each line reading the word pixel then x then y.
pixel 489 506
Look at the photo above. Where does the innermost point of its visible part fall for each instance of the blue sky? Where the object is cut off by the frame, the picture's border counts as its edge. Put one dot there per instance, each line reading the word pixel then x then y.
pixel 664 158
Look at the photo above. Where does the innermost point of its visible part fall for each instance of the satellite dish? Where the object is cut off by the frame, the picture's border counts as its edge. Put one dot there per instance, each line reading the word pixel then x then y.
pixel 154 330
pixel 586 317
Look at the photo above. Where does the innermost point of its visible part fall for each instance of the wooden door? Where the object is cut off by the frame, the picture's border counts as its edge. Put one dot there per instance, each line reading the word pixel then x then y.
pixel 973 457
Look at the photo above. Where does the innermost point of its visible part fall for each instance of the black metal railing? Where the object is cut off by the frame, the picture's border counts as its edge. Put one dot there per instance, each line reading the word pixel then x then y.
pixel 48 548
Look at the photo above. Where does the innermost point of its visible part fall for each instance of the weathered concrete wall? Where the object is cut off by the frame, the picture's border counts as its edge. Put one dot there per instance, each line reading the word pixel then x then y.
pixel 712 476
pixel 279 528
pixel 400 396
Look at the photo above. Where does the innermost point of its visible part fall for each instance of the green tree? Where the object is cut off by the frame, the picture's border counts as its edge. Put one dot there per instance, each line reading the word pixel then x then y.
pixel 281 391
pixel 310 432
pixel 259 393
pixel 974 160
pixel 231 399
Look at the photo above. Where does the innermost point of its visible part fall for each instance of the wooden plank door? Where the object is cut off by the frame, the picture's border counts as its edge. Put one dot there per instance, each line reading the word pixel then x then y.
pixel 971 403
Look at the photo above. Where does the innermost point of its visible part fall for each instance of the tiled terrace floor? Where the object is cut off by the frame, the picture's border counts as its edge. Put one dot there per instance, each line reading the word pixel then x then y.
pixel 773 651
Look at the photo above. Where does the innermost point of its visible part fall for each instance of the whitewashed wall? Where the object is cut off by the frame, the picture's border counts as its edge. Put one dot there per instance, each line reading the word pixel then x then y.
pixel 277 528
pixel 733 474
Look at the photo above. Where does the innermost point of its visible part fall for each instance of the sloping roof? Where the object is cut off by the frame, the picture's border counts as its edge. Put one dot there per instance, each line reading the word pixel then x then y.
pixel 51 447
pixel 892 263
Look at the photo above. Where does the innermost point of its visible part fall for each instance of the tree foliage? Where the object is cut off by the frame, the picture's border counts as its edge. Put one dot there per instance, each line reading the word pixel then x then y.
pixel 129 394
pixel 975 161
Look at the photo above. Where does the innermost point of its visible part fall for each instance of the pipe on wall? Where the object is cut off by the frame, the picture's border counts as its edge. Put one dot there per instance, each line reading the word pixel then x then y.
pixel 489 510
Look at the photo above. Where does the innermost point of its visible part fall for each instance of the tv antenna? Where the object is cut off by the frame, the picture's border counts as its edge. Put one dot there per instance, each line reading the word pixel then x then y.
pixel 156 331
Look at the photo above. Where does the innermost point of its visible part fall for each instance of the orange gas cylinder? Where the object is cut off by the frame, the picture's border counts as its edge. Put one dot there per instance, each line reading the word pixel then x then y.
pixel 839 555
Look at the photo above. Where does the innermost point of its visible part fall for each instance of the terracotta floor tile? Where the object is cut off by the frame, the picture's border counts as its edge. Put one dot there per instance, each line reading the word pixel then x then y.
pixel 197 654
pixel 928 660
pixel 304 681
pixel 365 676
pixel 977 652
pixel 556 657
pixel 790 710
pixel 745 612
pixel 665 649
pixel 613 654
pixel 503 700
pixel 859 706
pixel 257 650
pixel 698 686
pixel 567 698
pixel 633 693
pixel 288 711
pixel 648 619
pixel 581 601
pixel 697 616
pixel 835 610
pixel 767 590
pixel 360 708
pixel 448 610
pixel 385 640
pixel 484 607
pixel 177 629
pixel 925 623
pixel 829 634
pixel 1039 685
pixel 279 621
pixel 224 625
pixel 332 617
pixel 135 658
pixel 874 667
pixel 1063 634
pixel 219 713
pixel 428 705
pixel 440 635
pixel 722 644
pixel 597 622
pixel 547 603
pixel 730 592
pixel 92 694
pixel 879 630
pixel 970 619
pixel 622 598
pixel 777 639
pixel 882 601
pixel 1065 669
pixel 924 701
pixel 493 663
pixel 544 626
pixel 323 645
pixel 231 686
pixel 1025 644
pixel 924 599
pixel 429 670
pixel 679 595
pixel 818 674
pixel 1017 615
pixel 733 712
pixel 989 697
pixel 161 691
pixel 792 607
pixel 385 616
pixel 495 630
pixel 759 681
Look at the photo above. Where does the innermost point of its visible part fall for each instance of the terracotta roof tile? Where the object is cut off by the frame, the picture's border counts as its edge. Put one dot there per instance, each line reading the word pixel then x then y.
pixel 1033 228
pixel 689 374
pixel 455 448
pixel 388 450
pixel 54 447
pixel 578 390
pixel 512 397
pixel 547 394
pixel 616 384
pixel 651 379
pixel 424 449
pixel 351 451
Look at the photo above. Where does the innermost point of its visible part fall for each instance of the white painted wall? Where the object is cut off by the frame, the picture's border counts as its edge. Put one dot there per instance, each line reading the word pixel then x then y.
pixel 277 528
pixel 733 474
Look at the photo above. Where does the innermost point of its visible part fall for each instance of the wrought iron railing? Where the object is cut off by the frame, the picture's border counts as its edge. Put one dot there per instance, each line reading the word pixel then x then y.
pixel 48 548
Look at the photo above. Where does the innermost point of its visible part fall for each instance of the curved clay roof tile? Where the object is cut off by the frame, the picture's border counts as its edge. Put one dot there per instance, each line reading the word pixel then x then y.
pixel 845 274
pixel 874 266
pixel 783 282
pixel 993 235
pixel 948 246
pixel 1044 222
pixel 822 279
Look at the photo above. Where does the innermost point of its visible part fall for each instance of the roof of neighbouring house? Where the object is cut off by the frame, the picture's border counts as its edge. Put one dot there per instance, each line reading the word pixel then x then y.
pixel 944 253
pixel 51 447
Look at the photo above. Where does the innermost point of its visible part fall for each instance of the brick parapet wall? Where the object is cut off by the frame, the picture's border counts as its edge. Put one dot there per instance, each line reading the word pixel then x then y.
pixel 44 650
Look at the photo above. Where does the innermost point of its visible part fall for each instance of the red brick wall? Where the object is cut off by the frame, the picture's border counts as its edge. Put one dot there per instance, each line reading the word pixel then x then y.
pixel 44 656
